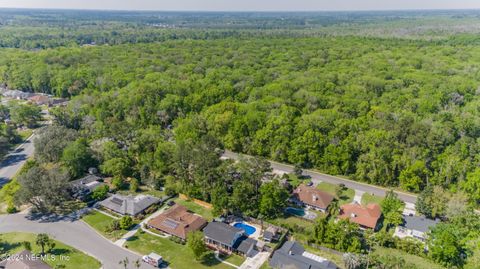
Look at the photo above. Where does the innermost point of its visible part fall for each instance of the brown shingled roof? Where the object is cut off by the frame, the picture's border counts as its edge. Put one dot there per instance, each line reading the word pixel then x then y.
pixel 177 221
pixel 365 216
pixel 312 196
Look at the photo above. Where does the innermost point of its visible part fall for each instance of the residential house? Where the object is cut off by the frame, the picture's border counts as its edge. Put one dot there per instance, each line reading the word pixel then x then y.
pixel 16 94
pixel 365 216
pixel 415 226
pixel 129 205
pixel 177 221
pixel 312 197
pixel 24 260
pixel 39 100
pixel 292 255
pixel 82 187
pixel 228 239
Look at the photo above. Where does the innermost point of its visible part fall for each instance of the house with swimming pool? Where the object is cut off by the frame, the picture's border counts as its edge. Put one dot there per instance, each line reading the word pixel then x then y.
pixel 311 197
pixel 229 239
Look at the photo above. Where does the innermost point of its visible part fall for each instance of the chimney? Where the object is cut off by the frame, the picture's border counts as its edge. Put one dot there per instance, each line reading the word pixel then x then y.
pixel 353 215
pixel 314 197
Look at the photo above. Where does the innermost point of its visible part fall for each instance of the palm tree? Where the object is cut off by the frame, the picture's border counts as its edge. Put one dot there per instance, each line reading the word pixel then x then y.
pixel 333 209
pixel 124 262
pixel 42 241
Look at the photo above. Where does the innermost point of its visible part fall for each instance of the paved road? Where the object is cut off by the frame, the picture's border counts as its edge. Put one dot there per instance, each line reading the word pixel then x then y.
pixel 75 233
pixel 319 177
pixel 15 160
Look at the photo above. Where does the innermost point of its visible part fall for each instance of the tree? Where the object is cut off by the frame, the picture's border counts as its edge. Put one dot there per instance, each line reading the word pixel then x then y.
pixel 126 222
pixel 51 141
pixel 100 192
pixel 391 209
pixel 273 199
pixel 45 189
pixel 28 115
pixel 413 178
pixel 77 157
pixel 43 240
pixel 432 202
pixel 134 185
pixel 196 244
pixel 472 185
pixel 446 246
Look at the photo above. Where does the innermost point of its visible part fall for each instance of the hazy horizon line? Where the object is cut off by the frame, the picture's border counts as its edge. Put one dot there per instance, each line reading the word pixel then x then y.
pixel 239 11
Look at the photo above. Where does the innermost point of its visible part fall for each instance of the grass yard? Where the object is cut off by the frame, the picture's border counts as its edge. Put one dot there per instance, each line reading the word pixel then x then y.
pixel 347 196
pixel 265 266
pixel 77 259
pixel 419 262
pixel 235 259
pixel 368 198
pixel 192 206
pixel 301 228
pixel 177 256
pixel 100 222
pixel 337 259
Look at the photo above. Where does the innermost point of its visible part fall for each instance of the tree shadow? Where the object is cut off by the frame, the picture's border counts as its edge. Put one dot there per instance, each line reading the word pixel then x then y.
pixel 5 246
pixel 210 260
pixel 60 251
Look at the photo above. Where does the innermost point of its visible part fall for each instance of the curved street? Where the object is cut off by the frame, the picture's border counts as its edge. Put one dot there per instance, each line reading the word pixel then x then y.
pixel 75 233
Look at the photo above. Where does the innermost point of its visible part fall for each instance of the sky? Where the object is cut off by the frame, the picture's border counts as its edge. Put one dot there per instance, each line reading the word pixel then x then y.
pixel 244 5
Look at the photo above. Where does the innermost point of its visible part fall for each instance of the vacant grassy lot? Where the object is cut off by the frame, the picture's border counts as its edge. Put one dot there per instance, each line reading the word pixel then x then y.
pixel 205 212
pixel 177 256
pixel 100 222
pixel 347 196
pixel 12 243
pixel 419 262
pixel 367 198
pixel 337 259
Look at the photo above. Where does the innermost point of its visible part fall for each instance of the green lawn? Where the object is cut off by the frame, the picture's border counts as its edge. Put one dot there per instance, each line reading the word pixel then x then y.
pixel 419 262
pixel 234 259
pixel 347 196
pixel 100 222
pixel 205 212
pixel 302 229
pixel 367 198
pixel 265 265
pixel 177 256
pixel 77 259
pixel 337 259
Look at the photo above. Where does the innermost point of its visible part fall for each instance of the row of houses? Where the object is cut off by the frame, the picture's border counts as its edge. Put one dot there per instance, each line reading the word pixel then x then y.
pixel 367 217
pixel 34 98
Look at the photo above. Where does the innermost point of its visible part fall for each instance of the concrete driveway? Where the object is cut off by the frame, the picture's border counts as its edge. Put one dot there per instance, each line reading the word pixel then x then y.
pixel 75 233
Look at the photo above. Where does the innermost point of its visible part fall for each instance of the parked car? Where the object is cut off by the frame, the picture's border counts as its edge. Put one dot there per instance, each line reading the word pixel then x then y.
pixel 310 183
pixel 153 259
pixel 171 203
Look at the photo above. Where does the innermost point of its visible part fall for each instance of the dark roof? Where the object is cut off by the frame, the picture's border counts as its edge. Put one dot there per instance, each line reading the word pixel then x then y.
pixel 222 233
pixel 291 256
pixel 268 235
pixel 129 205
pixel 24 260
pixel 89 182
pixel 418 223
pixel 246 245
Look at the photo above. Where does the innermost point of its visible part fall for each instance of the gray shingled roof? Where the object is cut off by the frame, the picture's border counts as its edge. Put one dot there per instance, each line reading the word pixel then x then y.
pixel 89 182
pixel 129 205
pixel 222 232
pixel 290 256
pixel 418 223
pixel 247 246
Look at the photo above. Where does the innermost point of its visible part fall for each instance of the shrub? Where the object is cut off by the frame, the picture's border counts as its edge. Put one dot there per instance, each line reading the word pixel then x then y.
pixel 126 222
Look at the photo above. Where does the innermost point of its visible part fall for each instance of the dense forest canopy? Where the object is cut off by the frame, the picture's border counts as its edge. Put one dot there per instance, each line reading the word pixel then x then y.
pixel 385 111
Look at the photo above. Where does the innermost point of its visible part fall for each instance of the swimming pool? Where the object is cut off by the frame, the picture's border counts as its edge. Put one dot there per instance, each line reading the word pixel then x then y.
pixel 249 230
pixel 296 211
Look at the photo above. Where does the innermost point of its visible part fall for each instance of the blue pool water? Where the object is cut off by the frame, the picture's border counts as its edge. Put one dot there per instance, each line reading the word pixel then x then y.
pixel 249 230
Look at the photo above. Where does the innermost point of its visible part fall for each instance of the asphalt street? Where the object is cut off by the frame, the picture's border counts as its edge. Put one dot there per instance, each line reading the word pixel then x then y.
pixel 14 161
pixel 75 233
pixel 317 177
